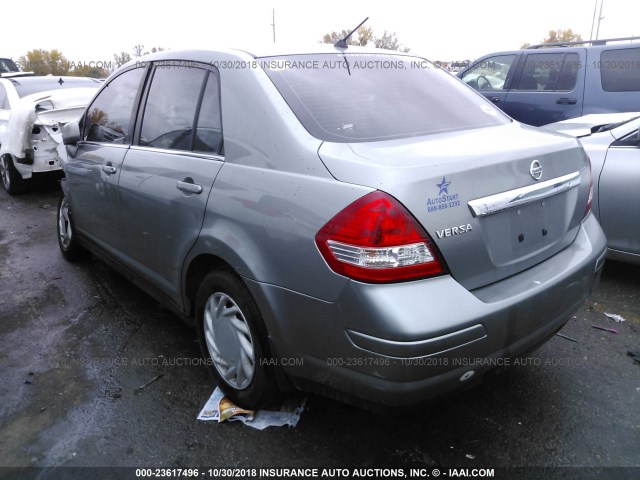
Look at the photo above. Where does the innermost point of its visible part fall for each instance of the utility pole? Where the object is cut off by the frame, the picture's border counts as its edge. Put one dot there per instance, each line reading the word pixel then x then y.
pixel 273 23
pixel 600 17
pixel 593 22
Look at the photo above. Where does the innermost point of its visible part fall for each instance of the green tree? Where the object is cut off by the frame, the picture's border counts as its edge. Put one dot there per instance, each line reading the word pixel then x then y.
pixel 558 36
pixel 87 71
pixel 44 62
pixel 360 38
pixel 363 36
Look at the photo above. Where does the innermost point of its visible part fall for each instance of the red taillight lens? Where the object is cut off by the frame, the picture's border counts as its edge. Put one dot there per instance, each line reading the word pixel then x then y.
pixel 376 240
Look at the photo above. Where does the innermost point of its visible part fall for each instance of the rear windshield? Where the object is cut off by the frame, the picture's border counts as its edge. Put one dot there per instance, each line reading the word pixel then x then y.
pixel 363 98
pixel 27 86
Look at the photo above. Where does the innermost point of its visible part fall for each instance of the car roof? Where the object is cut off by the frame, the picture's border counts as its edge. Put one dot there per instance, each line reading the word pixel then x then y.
pixel 589 44
pixel 629 42
pixel 264 51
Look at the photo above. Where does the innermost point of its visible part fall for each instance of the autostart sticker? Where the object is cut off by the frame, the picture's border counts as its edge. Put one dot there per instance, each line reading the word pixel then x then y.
pixel 444 200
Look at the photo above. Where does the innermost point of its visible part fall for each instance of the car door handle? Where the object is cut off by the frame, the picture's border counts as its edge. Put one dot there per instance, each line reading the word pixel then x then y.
pixel 494 99
pixel 109 169
pixel 567 101
pixel 189 187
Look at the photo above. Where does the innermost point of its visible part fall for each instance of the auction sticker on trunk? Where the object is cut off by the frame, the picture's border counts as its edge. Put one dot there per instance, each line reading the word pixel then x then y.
pixel 444 199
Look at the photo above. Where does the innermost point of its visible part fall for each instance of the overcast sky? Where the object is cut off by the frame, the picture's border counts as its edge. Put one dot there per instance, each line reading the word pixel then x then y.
pixel 446 30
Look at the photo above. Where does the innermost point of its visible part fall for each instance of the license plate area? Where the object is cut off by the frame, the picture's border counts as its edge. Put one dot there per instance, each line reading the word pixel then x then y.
pixel 519 233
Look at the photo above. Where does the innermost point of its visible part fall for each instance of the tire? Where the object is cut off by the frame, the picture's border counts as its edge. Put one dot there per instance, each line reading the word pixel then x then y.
pixel 12 182
pixel 67 240
pixel 232 335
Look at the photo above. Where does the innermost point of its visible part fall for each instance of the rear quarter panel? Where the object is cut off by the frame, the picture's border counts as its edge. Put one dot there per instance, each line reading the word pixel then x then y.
pixel 273 193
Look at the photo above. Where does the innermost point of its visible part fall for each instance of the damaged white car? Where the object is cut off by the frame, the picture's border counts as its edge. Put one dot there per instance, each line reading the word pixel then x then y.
pixel 32 112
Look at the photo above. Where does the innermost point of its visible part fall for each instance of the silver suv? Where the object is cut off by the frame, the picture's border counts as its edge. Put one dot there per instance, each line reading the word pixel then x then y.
pixel 351 221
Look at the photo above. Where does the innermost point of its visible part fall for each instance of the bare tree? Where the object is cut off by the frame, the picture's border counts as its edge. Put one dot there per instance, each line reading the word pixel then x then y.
pixel 364 36
pixel 121 58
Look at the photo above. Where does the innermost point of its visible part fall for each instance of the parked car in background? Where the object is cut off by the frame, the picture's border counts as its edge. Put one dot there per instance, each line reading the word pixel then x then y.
pixel 613 144
pixel 331 219
pixel 8 67
pixel 553 82
pixel 32 111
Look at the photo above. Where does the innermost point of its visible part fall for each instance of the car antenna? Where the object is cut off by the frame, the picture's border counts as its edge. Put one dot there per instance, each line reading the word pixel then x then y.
pixel 342 43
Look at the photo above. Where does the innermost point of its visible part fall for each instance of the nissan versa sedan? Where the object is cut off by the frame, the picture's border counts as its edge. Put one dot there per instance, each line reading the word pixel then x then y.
pixel 350 221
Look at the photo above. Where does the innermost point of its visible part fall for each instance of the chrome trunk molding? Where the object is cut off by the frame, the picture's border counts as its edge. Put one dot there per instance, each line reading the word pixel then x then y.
pixel 522 196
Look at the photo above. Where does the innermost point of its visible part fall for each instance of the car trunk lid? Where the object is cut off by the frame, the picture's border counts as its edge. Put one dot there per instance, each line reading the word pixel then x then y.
pixel 476 195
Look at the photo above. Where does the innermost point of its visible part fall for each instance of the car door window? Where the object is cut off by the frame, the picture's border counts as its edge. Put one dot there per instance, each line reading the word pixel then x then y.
pixel 549 71
pixel 209 127
pixel 108 119
pixel 170 111
pixel 620 70
pixel 489 74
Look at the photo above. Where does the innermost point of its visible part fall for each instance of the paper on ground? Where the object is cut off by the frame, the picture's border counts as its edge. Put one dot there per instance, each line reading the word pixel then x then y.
pixel 289 413
pixel 615 317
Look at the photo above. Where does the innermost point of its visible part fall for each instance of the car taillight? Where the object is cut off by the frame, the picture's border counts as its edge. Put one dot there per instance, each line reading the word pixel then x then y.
pixel 376 240
pixel 587 208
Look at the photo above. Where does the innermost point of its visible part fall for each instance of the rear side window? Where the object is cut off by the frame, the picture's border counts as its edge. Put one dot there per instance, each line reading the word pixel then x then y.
pixel 182 111
pixel 363 98
pixel 549 71
pixel 171 107
pixel 620 70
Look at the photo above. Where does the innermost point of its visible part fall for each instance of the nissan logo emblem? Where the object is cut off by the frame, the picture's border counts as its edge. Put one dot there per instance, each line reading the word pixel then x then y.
pixel 535 170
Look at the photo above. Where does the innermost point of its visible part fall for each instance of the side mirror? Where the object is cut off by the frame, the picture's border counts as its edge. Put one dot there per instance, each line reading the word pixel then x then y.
pixel 71 133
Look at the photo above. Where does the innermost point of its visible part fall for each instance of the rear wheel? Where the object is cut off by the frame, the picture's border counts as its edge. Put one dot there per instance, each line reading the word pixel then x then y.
pixel 11 179
pixel 232 334
pixel 67 240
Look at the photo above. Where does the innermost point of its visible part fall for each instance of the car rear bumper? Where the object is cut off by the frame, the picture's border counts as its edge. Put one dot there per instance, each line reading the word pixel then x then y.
pixel 402 344
pixel 44 161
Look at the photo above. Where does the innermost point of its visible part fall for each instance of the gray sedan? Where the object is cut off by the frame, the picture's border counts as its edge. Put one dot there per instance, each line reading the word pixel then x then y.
pixel 350 221
pixel 612 141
